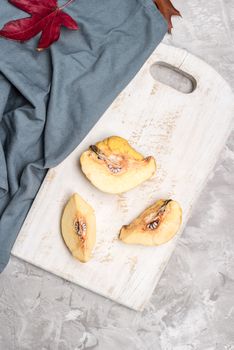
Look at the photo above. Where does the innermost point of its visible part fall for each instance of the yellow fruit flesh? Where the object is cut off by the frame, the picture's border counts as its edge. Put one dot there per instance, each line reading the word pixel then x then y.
pixel 113 166
pixel 155 226
pixel 78 226
pixel 118 145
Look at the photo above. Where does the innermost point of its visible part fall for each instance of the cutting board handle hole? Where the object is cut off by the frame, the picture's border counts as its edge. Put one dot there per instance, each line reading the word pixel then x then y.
pixel 174 77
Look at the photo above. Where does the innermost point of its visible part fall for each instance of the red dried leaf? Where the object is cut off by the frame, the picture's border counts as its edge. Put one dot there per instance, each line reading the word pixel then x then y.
pixel 46 17
pixel 167 10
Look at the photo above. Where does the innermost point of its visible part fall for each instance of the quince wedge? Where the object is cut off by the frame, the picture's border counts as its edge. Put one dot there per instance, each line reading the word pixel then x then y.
pixel 113 166
pixel 78 225
pixel 155 226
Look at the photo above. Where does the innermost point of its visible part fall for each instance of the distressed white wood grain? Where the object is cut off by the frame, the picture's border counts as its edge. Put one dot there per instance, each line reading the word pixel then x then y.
pixel 185 133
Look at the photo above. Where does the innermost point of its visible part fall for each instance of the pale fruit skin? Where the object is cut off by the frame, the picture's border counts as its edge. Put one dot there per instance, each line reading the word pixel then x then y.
pixel 79 242
pixel 129 168
pixel 142 231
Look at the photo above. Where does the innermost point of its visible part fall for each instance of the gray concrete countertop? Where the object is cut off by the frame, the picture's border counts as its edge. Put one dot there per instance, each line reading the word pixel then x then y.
pixel 193 306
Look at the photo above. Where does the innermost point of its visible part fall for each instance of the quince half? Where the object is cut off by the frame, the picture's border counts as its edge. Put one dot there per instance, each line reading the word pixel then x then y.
pixel 78 225
pixel 155 226
pixel 113 166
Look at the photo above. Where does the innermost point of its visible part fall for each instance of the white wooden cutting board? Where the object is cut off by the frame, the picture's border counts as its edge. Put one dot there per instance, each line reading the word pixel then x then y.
pixel 185 133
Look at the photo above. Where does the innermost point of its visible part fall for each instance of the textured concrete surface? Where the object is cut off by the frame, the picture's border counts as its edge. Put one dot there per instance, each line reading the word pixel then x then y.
pixel 193 305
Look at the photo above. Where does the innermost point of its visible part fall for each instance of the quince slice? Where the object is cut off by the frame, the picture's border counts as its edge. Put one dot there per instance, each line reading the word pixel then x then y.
pixel 155 226
pixel 78 225
pixel 113 166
